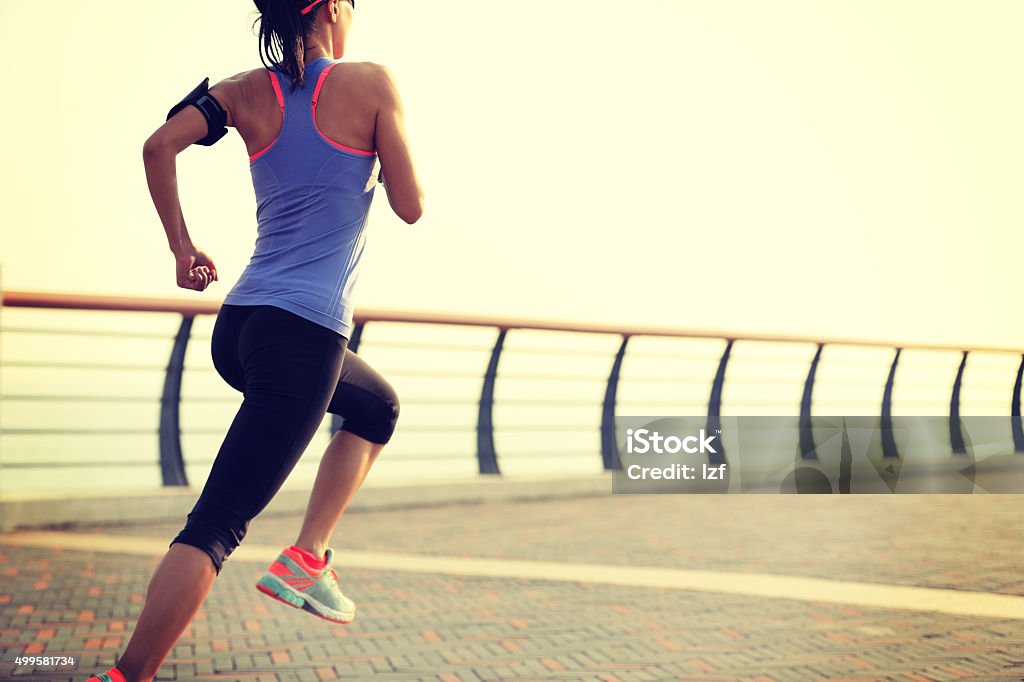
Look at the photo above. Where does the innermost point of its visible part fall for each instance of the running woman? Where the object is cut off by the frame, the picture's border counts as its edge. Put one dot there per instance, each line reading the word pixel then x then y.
pixel 314 128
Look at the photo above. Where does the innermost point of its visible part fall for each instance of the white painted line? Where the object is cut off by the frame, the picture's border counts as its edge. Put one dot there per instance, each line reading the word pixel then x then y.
pixel 771 586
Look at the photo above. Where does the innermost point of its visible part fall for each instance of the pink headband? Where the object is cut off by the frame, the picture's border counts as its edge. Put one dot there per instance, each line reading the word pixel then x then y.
pixel 310 6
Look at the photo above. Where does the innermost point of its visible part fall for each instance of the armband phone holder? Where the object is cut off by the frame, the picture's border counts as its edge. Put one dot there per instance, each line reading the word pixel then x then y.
pixel 213 112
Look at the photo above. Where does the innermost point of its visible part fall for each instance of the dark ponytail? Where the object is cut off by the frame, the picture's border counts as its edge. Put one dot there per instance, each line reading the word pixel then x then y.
pixel 283 31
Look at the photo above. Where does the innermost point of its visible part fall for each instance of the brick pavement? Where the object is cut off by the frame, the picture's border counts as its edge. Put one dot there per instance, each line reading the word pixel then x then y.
pixel 436 626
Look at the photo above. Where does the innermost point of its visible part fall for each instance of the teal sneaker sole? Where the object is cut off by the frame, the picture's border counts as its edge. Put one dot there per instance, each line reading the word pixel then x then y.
pixel 271 586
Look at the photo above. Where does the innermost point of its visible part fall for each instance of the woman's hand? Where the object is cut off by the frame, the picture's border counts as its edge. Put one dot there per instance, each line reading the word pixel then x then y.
pixel 195 269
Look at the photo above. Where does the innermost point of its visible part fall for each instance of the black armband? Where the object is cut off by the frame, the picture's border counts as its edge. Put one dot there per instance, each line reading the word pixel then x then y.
pixel 213 112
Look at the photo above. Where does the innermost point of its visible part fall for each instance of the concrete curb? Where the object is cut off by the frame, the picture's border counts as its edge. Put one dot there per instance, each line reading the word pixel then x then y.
pixel 41 511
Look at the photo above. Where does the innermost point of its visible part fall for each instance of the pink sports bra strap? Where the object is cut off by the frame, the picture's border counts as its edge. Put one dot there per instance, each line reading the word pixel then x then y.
pixel 316 97
pixel 277 89
pixel 280 102
pixel 320 84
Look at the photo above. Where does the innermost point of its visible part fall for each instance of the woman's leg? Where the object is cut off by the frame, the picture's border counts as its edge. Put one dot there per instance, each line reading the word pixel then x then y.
pixel 177 590
pixel 343 469
pixel 291 369
pixel 370 407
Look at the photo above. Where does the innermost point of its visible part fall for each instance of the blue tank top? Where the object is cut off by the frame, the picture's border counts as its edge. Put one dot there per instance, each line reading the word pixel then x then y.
pixel 312 200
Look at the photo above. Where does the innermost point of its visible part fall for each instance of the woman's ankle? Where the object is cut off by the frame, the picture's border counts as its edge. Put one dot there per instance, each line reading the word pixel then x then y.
pixel 134 673
pixel 317 549
pixel 314 554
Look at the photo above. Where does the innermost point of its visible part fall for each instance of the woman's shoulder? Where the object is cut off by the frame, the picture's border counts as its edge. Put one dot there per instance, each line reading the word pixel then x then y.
pixel 240 86
pixel 245 78
pixel 373 72
pixel 370 78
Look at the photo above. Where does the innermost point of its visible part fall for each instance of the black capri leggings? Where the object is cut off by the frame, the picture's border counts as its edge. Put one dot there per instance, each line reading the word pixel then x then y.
pixel 291 372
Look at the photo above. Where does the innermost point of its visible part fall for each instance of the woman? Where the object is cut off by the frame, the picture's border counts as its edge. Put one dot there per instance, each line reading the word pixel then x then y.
pixel 314 129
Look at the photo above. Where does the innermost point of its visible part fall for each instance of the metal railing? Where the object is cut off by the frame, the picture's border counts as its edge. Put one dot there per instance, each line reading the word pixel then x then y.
pixel 172 461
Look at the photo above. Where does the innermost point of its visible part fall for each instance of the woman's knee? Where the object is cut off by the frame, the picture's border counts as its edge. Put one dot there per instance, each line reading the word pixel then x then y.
pixel 382 426
pixel 375 416
pixel 391 407
pixel 218 533
pixel 394 408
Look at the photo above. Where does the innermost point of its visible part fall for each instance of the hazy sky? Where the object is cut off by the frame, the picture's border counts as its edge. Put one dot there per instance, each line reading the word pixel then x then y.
pixel 792 166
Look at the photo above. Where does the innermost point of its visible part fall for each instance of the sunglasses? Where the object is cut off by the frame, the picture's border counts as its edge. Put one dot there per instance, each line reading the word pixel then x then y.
pixel 310 6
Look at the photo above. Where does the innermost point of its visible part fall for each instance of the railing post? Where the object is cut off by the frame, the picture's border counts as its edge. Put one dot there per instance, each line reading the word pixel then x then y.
pixel 486 456
pixel 1015 421
pixel 353 345
pixel 357 336
pixel 172 464
pixel 888 440
pixel 808 448
pixel 956 435
pixel 2 302
pixel 609 448
pixel 715 406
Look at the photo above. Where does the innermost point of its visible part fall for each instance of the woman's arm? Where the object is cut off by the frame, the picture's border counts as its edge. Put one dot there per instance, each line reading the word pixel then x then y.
pixel 403 188
pixel 195 269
